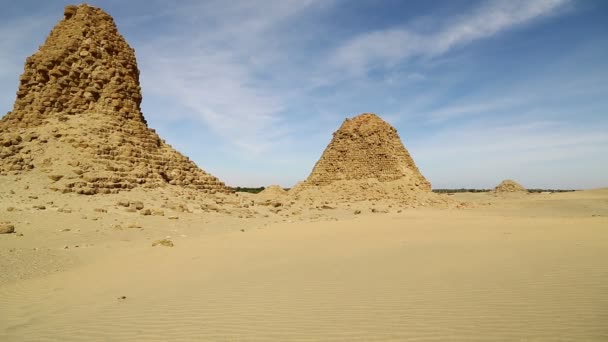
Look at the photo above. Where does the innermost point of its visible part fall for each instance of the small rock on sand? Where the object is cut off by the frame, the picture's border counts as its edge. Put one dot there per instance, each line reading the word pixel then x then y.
pixel 137 205
pixel 55 178
pixel 6 228
pixel 163 242
pixel 123 203
pixel 157 212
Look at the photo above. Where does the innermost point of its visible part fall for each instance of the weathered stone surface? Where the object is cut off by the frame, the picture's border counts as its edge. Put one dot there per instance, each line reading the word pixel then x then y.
pixel 509 185
pixel 163 242
pixel 80 94
pixel 6 228
pixel 364 148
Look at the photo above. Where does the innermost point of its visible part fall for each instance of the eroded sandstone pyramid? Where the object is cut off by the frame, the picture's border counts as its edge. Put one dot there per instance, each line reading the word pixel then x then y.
pixel 509 185
pixel 77 116
pixel 366 148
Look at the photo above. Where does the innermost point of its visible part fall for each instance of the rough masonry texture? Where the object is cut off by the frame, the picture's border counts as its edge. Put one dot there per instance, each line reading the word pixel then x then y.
pixel 509 185
pixel 366 147
pixel 77 116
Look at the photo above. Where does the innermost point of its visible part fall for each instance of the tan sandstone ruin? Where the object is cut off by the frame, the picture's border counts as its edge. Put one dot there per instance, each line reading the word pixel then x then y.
pixel 509 186
pixel 77 116
pixel 366 147
pixel 366 160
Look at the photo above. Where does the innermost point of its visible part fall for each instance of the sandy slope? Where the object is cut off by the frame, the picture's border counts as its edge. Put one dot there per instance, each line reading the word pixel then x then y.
pixel 525 267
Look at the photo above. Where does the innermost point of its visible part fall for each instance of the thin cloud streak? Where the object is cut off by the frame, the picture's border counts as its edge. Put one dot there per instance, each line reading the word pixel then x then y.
pixel 386 48
pixel 215 71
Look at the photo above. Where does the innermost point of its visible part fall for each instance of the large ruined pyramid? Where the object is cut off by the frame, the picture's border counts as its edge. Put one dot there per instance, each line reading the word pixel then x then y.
pixel 366 161
pixel 77 116
pixel 366 148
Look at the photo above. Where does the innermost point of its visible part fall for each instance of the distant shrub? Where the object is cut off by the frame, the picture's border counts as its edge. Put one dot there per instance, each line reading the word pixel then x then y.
pixel 249 190
pixel 444 191
pixel 451 191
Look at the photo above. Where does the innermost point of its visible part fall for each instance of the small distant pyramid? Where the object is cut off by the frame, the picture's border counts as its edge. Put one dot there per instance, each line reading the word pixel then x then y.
pixel 509 185
pixel 77 116
pixel 273 190
pixel 366 148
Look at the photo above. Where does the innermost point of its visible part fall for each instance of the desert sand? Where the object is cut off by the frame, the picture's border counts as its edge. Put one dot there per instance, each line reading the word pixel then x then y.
pixel 529 267
pixel 107 233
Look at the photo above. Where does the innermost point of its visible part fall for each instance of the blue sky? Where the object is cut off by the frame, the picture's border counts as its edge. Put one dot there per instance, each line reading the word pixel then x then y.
pixel 251 91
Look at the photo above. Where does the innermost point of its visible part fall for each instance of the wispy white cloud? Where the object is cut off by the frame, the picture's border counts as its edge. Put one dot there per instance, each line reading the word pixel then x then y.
pixel 268 81
pixel 452 112
pixel 385 48
pixel 221 70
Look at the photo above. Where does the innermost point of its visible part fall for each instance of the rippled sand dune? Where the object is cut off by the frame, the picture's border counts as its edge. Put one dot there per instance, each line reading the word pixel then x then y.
pixel 511 269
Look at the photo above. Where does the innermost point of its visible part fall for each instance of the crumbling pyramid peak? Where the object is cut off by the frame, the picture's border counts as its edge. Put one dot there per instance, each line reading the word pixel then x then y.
pixel 77 116
pixel 84 65
pixel 509 185
pixel 365 122
pixel 366 148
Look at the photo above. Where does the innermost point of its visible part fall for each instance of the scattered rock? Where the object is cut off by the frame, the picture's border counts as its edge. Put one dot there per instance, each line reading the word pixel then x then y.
pixel 357 212
pixel 163 242
pixel 39 207
pixel 146 212
pixel 138 205
pixel 123 203
pixel 6 228
pixel 158 212
pixel 173 217
pixel 55 178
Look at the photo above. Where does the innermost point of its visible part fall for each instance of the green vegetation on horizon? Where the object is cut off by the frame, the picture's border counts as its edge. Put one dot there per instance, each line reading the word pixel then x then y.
pixel 439 191
pixel 443 191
